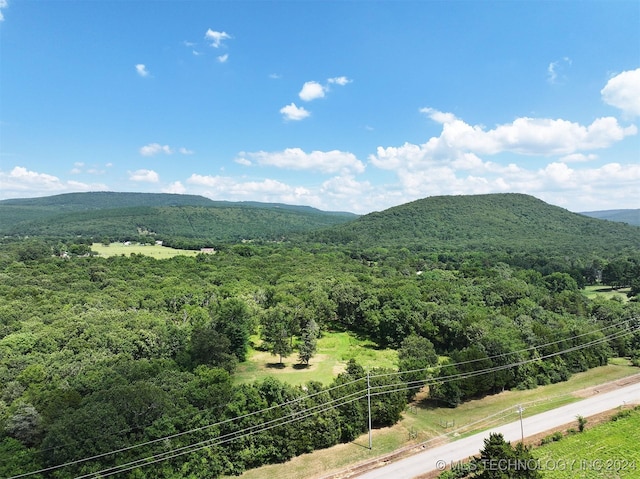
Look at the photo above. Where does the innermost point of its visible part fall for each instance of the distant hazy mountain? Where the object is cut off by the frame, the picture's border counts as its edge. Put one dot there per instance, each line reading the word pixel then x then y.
pixel 624 216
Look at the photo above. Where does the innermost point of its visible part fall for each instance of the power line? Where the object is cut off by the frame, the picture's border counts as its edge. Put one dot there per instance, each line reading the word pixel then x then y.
pixel 402 386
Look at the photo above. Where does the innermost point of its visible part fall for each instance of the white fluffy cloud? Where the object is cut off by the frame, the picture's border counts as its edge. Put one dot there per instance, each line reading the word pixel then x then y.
pixel 176 188
pixel 296 159
pixel 623 92
pixel 141 69
pixel 311 90
pixel 144 176
pixel 223 58
pixel 216 38
pixel 153 149
pixel 21 182
pixel 524 136
pixel 268 190
pixel 293 112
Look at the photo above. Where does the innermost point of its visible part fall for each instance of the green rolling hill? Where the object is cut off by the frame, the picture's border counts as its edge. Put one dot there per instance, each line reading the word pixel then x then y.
pixel 504 223
pixel 494 222
pixel 122 215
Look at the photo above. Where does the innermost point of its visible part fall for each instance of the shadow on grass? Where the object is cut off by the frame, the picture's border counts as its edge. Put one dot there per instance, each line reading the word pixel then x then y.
pixel 276 365
pixel 301 366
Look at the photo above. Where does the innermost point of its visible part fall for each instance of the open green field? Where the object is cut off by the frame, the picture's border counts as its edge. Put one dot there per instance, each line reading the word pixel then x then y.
pixel 155 251
pixel 609 450
pixel 424 422
pixel 335 349
pixel 606 291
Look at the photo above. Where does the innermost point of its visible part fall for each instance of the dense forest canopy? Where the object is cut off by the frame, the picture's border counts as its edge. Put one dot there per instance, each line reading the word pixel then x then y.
pixel 138 355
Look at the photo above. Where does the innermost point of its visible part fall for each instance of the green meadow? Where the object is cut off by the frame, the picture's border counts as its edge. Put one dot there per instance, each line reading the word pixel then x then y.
pixel 155 251
pixel 335 349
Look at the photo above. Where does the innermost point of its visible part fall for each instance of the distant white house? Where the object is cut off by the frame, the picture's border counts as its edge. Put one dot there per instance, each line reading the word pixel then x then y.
pixel 207 250
pixel 158 243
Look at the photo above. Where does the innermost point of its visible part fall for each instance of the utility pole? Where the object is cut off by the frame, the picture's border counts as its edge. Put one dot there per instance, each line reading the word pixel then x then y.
pixel 369 407
pixel 520 411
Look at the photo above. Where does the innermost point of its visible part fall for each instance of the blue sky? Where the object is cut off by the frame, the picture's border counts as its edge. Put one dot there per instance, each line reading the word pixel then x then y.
pixel 341 105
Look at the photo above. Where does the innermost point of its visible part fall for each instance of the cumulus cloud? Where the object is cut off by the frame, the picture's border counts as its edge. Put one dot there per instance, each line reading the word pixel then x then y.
pixel 153 149
pixel 524 136
pixel 216 38
pixel 21 182
pixel 186 151
pixel 457 161
pixel 623 92
pixel 223 58
pixel 176 188
pixel 268 190
pixel 296 159
pixel 293 112
pixel 311 90
pixel 144 176
pixel 141 69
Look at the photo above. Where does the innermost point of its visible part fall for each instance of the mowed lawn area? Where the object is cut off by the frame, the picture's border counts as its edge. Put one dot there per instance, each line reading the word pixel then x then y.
pixel 606 291
pixel 155 251
pixel 335 349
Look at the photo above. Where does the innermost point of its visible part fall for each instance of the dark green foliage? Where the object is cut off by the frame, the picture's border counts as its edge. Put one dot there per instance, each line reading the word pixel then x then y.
pixel 308 341
pixel 415 356
pixel 277 331
pixel 500 460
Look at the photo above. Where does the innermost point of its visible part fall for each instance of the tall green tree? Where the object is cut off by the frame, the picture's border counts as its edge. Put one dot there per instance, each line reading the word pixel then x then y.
pixel 276 332
pixel 308 341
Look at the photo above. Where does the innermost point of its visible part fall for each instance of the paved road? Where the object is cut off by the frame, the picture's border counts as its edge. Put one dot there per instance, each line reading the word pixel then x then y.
pixel 458 450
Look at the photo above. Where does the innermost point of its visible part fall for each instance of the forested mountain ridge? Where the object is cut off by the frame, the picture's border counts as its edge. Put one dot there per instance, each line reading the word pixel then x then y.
pixel 126 215
pixel 494 222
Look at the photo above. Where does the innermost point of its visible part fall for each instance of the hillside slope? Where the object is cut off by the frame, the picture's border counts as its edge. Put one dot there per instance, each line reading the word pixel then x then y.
pixel 505 222
pixel 122 215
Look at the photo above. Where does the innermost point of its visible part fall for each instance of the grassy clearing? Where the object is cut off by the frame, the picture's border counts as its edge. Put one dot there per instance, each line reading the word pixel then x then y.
pixel 334 351
pixel 155 251
pixel 606 291
pixel 609 450
pixel 425 422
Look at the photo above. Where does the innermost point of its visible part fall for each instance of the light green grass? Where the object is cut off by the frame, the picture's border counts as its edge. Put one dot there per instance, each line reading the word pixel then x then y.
pixel 424 422
pixel 606 291
pixel 334 351
pixel 609 450
pixel 155 251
